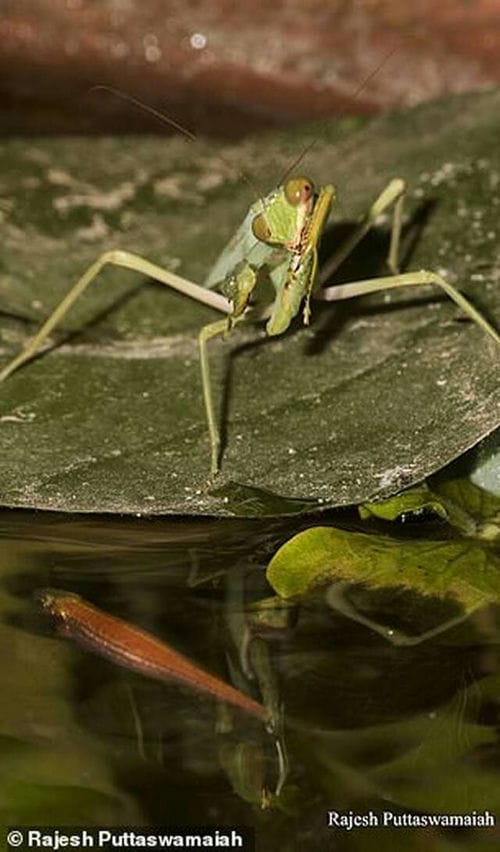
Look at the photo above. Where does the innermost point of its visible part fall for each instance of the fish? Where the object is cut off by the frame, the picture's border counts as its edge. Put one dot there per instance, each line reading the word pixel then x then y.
pixel 129 646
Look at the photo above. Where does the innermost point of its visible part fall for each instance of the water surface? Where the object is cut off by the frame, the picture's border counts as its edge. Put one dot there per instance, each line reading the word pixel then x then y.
pixel 369 727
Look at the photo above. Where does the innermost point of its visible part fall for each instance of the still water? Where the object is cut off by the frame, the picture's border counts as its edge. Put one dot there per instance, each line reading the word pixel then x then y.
pixel 369 727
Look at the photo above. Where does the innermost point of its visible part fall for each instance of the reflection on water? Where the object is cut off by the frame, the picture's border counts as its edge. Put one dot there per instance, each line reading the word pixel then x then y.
pixel 369 727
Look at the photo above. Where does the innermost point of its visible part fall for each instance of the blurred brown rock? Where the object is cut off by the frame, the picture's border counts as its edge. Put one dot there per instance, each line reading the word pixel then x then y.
pixel 227 67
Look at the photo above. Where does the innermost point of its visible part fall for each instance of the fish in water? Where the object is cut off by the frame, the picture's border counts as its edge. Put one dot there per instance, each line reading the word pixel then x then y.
pixel 135 649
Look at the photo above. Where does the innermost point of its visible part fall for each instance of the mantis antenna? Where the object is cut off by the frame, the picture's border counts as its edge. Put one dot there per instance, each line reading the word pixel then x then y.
pixel 361 86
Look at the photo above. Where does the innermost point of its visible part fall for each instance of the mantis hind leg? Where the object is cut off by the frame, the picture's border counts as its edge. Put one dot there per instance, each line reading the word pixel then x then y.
pixel 408 279
pixel 391 196
pixel 114 258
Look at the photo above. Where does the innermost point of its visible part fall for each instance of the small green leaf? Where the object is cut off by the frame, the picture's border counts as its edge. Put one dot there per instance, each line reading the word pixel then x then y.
pixel 271 616
pixel 471 509
pixel 415 501
pixel 468 508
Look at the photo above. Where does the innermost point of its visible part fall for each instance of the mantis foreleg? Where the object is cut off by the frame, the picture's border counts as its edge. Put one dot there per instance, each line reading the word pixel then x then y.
pixel 206 333
pixel 115 258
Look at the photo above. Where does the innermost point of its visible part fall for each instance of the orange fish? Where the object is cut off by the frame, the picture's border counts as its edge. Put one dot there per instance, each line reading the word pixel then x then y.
pixel 135 649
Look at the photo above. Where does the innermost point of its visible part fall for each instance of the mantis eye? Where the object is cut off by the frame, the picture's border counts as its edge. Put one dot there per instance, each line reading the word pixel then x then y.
pixel 299 190
pixel 260 228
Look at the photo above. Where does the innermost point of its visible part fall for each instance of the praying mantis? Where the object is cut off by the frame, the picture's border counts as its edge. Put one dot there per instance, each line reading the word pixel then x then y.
pixel 269 271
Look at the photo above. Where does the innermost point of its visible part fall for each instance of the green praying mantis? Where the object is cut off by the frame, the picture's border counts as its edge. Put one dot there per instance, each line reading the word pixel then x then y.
pixel 269 271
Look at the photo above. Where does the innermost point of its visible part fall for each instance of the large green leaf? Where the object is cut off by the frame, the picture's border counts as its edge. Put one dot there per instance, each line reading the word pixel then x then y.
pixel 376 395
pixel 464 570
